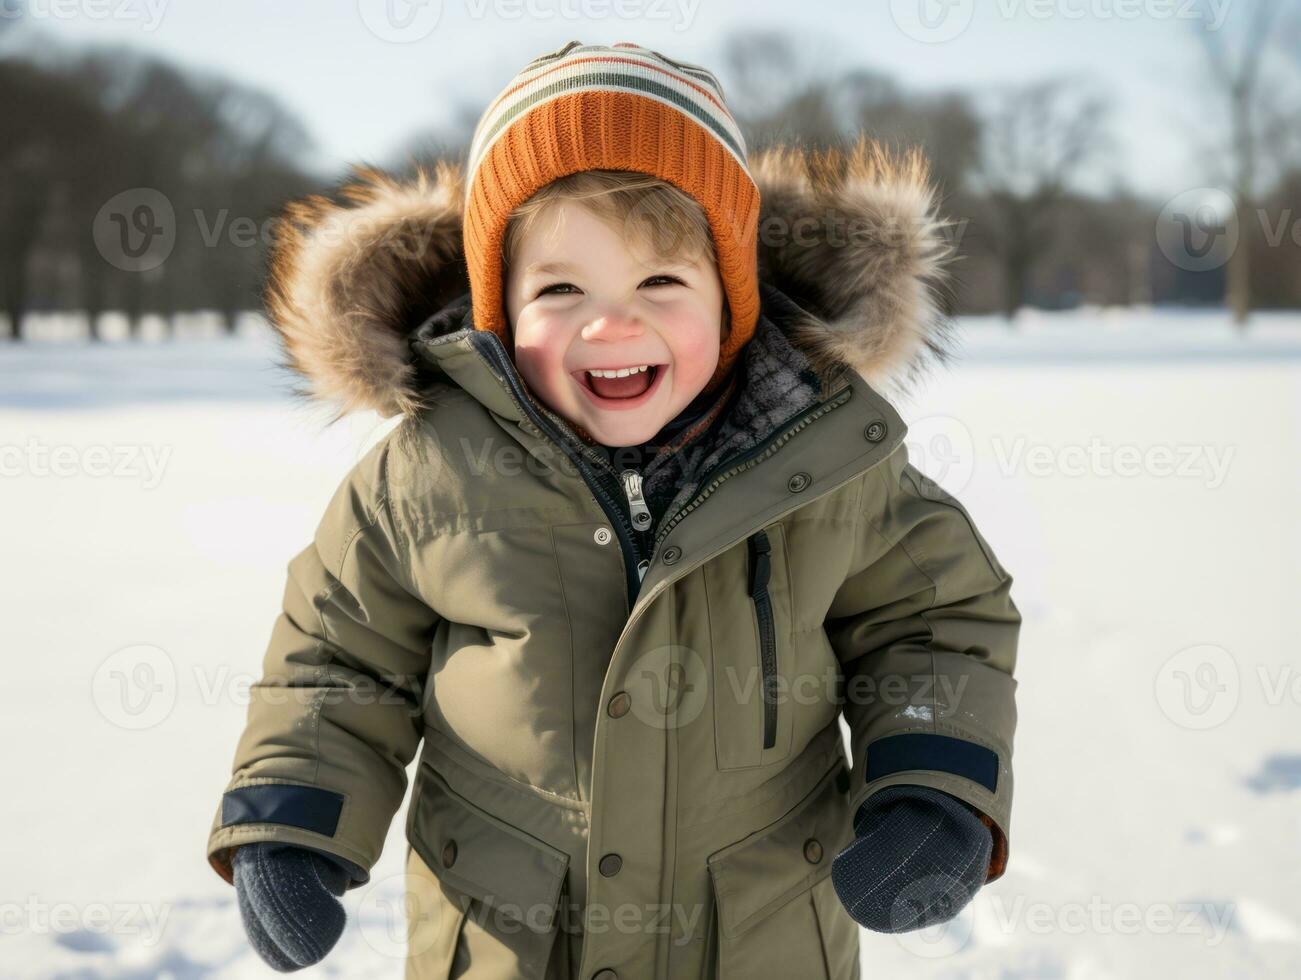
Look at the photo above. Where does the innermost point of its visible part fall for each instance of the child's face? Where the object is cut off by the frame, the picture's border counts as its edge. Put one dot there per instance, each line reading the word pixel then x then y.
pixel 579 298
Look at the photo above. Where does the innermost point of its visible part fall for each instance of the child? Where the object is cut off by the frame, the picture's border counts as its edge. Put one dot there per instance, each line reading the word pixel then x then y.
pixel 645 530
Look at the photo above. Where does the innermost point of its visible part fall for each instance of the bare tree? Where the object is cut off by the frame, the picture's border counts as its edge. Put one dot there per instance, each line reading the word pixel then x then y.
pixel 44 138
pixel 89 124
pixel 1038 139
pixel 766 70
pixel 782 90
pixel 1260 121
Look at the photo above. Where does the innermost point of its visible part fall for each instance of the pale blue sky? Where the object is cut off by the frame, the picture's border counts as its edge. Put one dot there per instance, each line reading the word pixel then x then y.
pixel 362 94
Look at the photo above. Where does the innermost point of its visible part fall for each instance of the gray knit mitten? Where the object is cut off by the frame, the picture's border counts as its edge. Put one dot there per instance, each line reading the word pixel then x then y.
pixel 917 858
pixel 286 897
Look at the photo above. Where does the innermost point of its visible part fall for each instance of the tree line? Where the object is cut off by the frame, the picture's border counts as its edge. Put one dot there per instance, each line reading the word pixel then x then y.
pixel 132 185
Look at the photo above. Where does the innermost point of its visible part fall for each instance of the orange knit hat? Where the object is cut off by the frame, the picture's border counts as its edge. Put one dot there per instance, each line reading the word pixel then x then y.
pixel 594 107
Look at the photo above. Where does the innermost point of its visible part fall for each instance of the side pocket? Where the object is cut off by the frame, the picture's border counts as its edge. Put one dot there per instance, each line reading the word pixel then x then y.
pixel 767 889
pixel 563 956
pixel 712 965
pixel 505 882
pixel 839 932
pixel 434 919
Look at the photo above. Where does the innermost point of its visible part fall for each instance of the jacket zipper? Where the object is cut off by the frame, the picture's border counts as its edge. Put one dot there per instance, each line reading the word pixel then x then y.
pixel 592 470
pixel 759 549
pixel 641 515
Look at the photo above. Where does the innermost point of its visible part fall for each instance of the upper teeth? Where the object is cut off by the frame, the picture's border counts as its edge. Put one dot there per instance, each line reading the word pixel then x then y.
pixel 619 373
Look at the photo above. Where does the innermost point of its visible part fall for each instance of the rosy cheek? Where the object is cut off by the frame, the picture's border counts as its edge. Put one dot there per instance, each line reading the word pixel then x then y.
pixel 542 366
pixel 531 364
pixel 695 352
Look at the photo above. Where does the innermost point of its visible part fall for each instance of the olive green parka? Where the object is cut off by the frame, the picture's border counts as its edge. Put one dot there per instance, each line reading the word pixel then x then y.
pixel 629 759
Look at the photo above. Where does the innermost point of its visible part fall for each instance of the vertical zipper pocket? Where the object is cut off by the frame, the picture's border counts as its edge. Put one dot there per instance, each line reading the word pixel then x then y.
pixel 760 566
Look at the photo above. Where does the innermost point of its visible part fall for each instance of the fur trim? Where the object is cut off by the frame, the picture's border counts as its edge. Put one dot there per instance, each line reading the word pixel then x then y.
pixel 851 237
pixel 854 238
pixel 348 284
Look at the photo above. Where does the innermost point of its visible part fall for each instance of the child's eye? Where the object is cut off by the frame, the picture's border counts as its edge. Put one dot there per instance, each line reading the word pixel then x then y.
pixel 560 288
pixel 555 286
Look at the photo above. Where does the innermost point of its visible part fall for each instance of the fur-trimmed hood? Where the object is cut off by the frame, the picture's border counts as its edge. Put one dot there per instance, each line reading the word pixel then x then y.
pixel 852 237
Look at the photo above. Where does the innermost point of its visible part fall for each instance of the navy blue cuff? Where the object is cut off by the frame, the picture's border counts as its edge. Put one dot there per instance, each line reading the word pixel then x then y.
pixel 306 807
pixel 935 753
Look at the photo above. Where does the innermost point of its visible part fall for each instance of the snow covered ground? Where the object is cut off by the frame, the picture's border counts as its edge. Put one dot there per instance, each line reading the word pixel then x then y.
pixel 1137 472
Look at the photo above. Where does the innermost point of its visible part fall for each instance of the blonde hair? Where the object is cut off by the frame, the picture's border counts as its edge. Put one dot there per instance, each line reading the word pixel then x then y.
pixel 652 212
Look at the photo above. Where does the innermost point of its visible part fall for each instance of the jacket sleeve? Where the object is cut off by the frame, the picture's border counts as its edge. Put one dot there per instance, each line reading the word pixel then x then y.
pixel 336 715
pixel 926 632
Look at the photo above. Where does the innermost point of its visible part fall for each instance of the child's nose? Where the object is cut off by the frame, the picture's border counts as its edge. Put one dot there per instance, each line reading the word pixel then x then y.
pixel 613 325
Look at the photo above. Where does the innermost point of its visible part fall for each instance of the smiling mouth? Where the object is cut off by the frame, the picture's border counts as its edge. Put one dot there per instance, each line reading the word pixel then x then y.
pixel 620 392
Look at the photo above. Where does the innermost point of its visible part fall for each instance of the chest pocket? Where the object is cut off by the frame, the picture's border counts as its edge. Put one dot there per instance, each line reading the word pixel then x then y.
pixel 752 647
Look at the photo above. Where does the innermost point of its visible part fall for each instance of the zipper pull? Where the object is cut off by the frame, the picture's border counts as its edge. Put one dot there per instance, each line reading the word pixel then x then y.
pixel 641 515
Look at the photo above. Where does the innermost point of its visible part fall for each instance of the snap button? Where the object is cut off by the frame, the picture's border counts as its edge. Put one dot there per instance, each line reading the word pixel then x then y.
pixel 610 865
pixel 798 482
pixel 812 851
pixel 449 854
pixel 672 554
pixel 619 704
pixel 642 566
pixel 602 535
pixel 875 431
pixel 606 974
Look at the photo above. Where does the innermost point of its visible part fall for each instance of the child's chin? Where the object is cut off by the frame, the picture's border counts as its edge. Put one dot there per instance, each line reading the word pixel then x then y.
pixel 622 433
